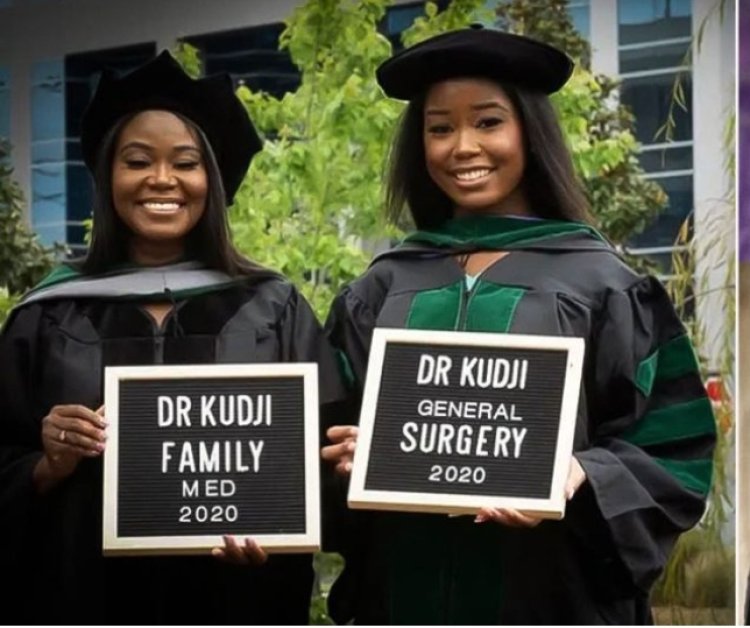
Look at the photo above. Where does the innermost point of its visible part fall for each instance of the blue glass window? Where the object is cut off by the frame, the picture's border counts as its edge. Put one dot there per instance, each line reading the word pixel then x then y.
pixel 250 55
pixel 650 99
pixel 48 202
pixel 580 13
pixel 47 101
pixel 47 151
pixel 669 54
pixel 663 231
pixel 646 11
pixel 654 40
pixel 650 20
pixel 667 156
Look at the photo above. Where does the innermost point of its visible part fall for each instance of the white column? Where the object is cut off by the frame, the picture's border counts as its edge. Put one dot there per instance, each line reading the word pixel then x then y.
pixel 713 103
pixel 604 59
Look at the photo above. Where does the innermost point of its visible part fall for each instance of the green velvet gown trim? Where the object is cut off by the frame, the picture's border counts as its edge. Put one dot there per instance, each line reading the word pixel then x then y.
pixel 497 232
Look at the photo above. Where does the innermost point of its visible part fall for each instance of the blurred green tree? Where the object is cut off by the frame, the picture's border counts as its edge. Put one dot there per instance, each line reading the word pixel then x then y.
pixel 310 205
pixel 23 259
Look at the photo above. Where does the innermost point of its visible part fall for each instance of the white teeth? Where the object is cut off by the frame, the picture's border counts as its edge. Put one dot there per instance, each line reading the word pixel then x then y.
pixel 472 174
pixel 161 206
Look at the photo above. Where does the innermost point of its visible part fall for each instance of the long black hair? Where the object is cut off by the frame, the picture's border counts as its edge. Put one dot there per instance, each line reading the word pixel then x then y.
pixel 208 242
pixel 550 182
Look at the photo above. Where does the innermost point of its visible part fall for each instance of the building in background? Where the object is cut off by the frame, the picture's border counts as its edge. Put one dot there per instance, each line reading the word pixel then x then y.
pixel 50 58
pixel 51 54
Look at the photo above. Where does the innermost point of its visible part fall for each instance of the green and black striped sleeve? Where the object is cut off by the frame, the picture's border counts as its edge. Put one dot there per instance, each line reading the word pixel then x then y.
pixel 652 428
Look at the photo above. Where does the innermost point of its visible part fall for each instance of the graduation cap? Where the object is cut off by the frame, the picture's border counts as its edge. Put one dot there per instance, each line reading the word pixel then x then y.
pixel 475 51
pixel 210 103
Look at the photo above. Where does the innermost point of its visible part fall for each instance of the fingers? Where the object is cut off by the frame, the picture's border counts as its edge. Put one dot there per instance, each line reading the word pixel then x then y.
pixel 344 467
pixel 74 429
pixel 507 516
pixel 75 433
pixel 339 433
pixel 576 477
pixel 249 553
pixel 83 413
pixel 482 516
pixel 341 453
pixel 254 552
pixel 230 552
pixel 69 434
pixel 334 453
pixel 570 490
pixel 521 520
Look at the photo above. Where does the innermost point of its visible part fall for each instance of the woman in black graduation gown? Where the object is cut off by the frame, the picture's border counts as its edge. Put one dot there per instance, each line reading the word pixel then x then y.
pixel 161 284
pixel 503 245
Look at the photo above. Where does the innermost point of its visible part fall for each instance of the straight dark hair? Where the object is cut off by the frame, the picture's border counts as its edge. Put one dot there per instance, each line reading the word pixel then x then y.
pixel 208 242
pixel 550 182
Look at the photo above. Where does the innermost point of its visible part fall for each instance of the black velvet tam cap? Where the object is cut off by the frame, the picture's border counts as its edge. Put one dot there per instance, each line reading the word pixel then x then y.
pixel 504 57
pixel 210 103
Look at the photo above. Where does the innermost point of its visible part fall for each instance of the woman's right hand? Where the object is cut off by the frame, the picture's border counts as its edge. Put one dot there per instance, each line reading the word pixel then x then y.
pixel 247 553
pixel 69 434
pixel 341 452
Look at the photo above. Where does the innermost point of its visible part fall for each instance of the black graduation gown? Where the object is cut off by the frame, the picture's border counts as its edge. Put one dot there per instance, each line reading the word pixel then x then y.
pixel 53 352
pixel 644 436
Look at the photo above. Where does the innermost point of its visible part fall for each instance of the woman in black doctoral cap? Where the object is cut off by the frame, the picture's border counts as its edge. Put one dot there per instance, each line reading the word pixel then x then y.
pixel 503 244
pixel 161 284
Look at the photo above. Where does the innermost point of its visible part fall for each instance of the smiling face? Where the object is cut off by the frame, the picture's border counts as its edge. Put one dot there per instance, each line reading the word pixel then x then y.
pixel 159 185
pixel 474 147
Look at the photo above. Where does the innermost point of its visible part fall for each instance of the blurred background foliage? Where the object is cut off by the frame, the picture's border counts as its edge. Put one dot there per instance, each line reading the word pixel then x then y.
pixel 311 203
pixel 23 259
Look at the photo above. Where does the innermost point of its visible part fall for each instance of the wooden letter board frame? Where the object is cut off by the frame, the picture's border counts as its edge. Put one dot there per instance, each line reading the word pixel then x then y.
pixel 552 507
pixel 308 541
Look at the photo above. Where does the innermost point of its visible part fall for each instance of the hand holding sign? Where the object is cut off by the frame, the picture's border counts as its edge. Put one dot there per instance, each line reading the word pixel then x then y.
pixel 249 553
pixel 576 477
pixel 507 516
pixel 516 519
pixel 453 422
pixel 341 453
pixel 69 434
pixel 200 451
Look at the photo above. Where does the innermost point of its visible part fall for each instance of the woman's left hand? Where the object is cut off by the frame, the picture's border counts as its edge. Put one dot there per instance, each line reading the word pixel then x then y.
pixel 576 477
pixel 247 553
pixel 508 517
pixel 516 519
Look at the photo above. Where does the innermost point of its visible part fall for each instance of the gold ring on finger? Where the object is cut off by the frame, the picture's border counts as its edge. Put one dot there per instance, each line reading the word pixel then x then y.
pixel 62 436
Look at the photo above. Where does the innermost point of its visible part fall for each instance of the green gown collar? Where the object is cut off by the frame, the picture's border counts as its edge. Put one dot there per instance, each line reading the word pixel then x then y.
pixel 496 232
pixel 59 274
